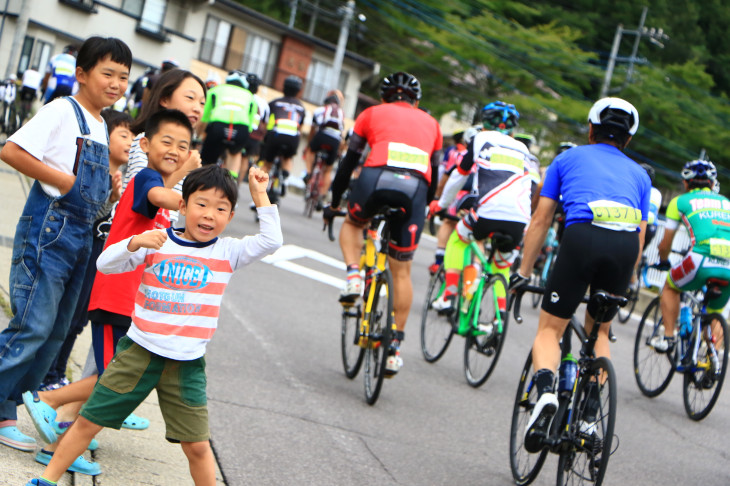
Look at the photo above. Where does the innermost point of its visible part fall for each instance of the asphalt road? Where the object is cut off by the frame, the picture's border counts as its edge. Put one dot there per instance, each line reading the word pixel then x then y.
pixel 283 413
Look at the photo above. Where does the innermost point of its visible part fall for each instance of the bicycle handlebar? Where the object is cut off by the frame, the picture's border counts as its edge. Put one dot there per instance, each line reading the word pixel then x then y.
pixel 516 302
pixel 328 224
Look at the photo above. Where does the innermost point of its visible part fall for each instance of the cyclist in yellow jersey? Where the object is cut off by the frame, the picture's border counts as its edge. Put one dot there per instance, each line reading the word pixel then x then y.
pixel 706 216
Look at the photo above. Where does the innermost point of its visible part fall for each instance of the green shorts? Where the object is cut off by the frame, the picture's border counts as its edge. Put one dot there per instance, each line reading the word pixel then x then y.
pixel 133 373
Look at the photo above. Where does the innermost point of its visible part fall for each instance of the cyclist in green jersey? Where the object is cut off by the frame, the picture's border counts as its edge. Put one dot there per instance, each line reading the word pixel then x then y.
pixel 706 215
pixel 230 111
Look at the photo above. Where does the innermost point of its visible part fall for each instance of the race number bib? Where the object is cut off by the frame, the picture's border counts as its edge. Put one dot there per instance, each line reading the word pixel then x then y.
pixel 720 248
pixel 404 156
pixel 615 216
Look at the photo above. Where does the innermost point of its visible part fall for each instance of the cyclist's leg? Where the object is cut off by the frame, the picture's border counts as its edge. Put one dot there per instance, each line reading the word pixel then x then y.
pixel 213 143
pixel 683 276
pixel 402 290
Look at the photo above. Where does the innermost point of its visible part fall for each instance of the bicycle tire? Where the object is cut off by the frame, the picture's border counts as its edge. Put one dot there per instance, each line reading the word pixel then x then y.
pixel 653 370
pixel 701 381
pixel 481 352
pixel 14 120
pixel 311 197
pixel 525 466
pixel 352 352
pixel 436 329
pixel 381 322
pixel 586 458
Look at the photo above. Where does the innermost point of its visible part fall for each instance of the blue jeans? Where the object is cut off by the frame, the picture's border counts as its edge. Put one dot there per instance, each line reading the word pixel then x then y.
pixel 50 255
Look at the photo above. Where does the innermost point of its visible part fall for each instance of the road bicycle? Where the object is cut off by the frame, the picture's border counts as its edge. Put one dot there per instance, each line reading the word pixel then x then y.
pixel 541 273
pixel 368 326
pixel 312 193
pixel 477 317
pixel 700 353
pixel 582 430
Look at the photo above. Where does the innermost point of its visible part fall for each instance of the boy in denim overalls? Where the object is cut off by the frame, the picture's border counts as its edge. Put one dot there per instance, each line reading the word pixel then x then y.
pixel 64 147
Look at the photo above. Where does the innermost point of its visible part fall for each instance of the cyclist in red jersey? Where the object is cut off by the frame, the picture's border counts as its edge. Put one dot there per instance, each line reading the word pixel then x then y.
pixel 400 171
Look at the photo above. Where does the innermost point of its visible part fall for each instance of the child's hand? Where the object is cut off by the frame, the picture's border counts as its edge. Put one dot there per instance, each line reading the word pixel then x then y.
pixel 193 161
pixel 67 184
pixel 258 182
pixel 116 186
pixel 152 239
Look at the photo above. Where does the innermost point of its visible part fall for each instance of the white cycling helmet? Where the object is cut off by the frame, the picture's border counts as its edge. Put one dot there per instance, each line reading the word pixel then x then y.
pixel 615 112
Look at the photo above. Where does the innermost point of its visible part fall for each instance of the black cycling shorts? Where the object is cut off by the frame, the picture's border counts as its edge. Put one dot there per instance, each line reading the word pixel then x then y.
pixel 378 187
pixel 221 136
pixel 27 93
pixel 59 91
pixel 325 142
pixel 252 147
pixel 483 228
pixel 589 256
pixel 279 145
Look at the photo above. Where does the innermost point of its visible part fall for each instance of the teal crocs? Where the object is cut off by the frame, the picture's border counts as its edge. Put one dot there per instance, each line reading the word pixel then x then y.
pixel 136 423
pixel 39 482
pixel 42 414
pixel 80 465
pixel 61 427
pixel 12 437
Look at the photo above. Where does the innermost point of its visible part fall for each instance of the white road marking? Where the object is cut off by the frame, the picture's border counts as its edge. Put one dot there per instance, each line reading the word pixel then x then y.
pixel 283 256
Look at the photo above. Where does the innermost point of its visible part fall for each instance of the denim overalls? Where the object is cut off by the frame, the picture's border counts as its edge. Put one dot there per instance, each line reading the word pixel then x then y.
pixel 50 254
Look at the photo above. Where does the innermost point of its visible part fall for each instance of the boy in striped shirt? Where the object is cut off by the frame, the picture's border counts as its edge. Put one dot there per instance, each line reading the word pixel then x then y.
pixel 175 315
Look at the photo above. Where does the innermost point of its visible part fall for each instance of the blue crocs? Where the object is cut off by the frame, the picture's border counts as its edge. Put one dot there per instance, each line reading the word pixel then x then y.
pixel 80 465
pixel 42 414
pixel 136 423
pixel 61 427
pixel 12 437
pixel 39 482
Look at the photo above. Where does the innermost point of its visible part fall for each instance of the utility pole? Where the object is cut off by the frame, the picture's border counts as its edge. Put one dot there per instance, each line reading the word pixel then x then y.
pixel 654 35
pixel 293 15
pixel 348 12
pixel 313 18
pixel 21 27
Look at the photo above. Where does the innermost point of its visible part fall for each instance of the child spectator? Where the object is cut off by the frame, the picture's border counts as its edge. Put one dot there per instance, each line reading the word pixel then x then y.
pixel 176 314
pixel 175 89
pixel 112 299
pixel 120 141
pixel 64 147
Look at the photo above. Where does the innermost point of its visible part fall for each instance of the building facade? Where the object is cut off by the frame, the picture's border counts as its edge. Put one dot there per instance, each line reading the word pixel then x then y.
pixel 204 36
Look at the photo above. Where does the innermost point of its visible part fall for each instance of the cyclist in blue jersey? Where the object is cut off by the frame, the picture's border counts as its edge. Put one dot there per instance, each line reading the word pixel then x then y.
pixel 605 195
pixel 60 75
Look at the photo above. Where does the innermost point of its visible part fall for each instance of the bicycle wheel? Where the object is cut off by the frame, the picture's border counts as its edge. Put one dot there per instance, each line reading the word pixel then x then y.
pixel 702 385
pixel 481 350
pixel 436 329
pixel 311 197
pixel 653 370
pixel 352 353
pixel 590 432
pixel 381 322
pixel 525 466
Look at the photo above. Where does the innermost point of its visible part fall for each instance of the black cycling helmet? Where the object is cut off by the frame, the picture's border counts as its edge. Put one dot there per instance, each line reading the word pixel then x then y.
pixel 70 49
pixel 292 85
pixel 525 138
pixel 500 116
pixel 400 86
pixel 253 82
pixel 237 78
pixel 615 113
pixel 649 170
pixel 699 170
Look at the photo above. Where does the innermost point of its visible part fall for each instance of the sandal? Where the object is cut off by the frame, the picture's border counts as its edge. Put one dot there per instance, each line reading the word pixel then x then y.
pixel 135 423
pixel 42 415
pixel 80 465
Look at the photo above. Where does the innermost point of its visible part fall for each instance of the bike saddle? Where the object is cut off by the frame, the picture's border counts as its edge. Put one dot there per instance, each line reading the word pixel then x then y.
pixel 602 298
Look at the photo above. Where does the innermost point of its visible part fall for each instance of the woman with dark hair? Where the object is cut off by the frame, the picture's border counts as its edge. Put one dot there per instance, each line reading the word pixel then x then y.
pixel 177 89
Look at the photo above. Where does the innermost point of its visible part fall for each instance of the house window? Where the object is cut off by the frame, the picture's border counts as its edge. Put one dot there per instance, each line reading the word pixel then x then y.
pixel 153 15
pixel 259 58
pixel 133 7
pixel 215 41
pixel 34 54
pixel 319 81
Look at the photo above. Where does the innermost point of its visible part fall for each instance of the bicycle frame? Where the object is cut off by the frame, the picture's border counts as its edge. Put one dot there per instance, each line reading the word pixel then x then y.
pixel 690 345
pixel 471 317
pixel 375 258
